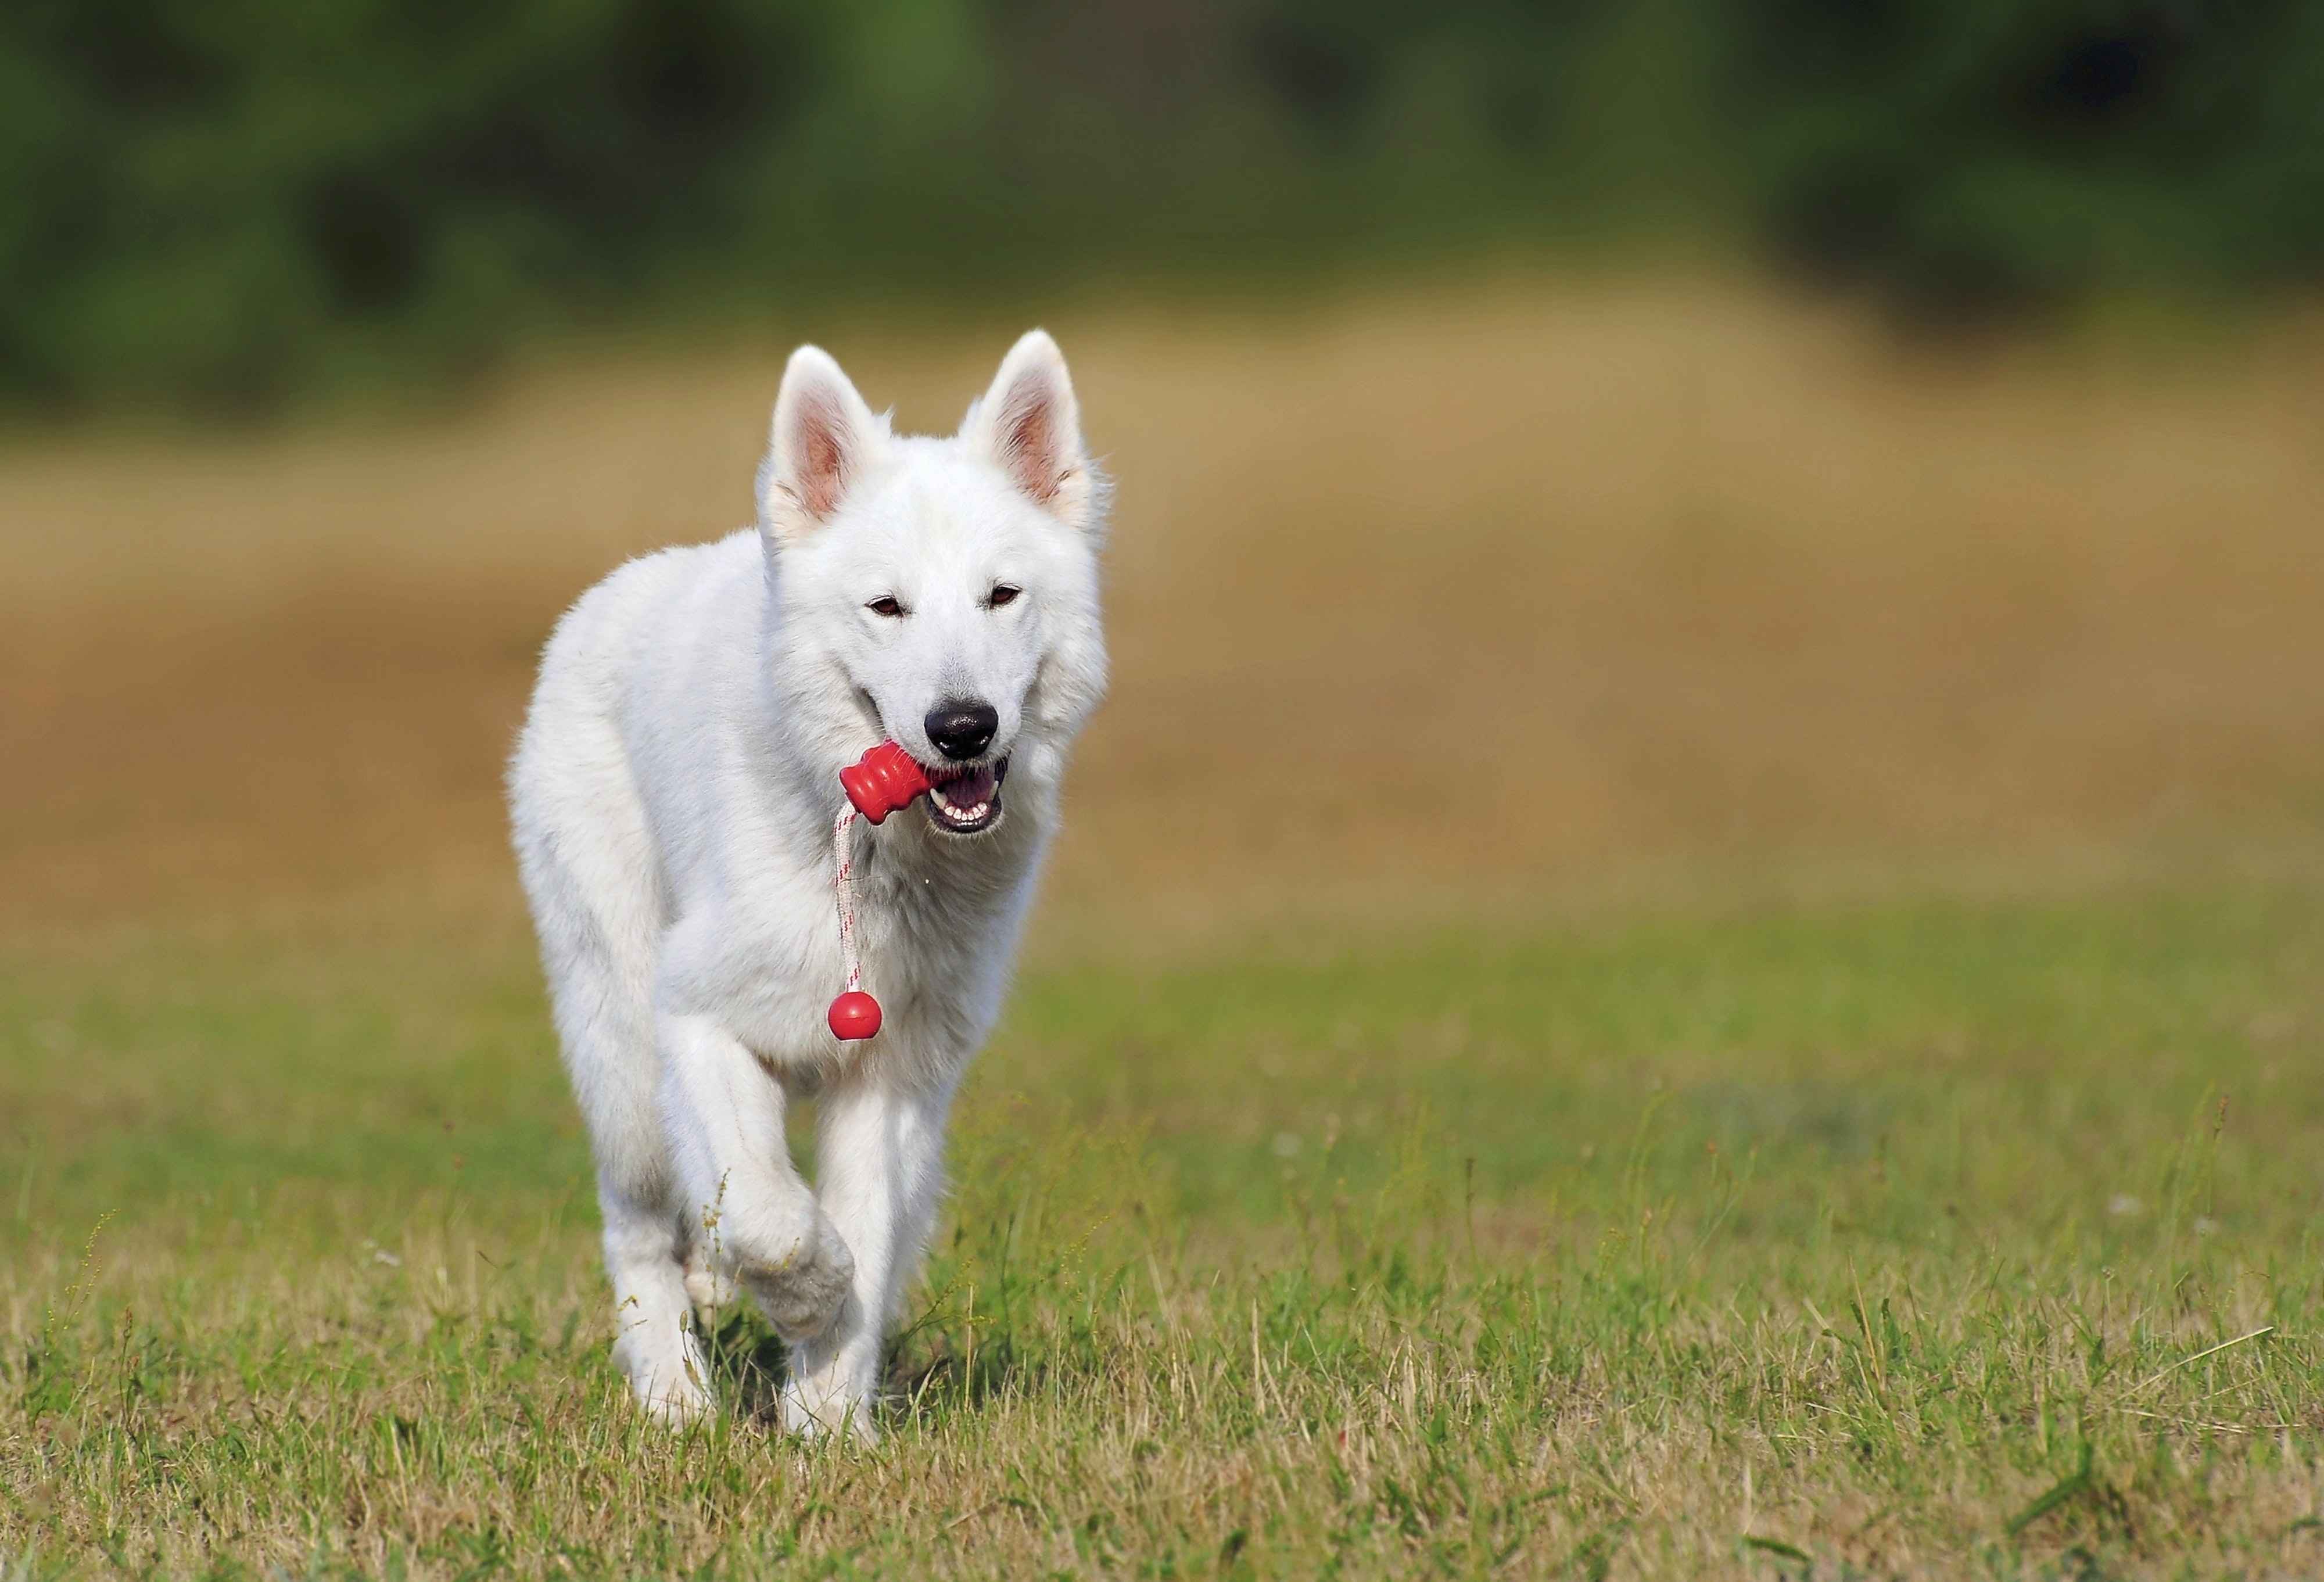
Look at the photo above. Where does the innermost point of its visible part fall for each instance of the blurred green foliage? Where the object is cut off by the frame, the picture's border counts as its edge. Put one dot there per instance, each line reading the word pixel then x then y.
pixel 1981 154
pixel 222 203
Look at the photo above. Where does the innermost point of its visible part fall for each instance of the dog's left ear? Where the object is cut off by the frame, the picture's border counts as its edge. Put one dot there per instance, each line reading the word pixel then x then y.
pixel 1030 423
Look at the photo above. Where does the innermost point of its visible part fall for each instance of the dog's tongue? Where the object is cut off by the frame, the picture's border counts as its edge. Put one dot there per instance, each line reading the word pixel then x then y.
pixel 968 790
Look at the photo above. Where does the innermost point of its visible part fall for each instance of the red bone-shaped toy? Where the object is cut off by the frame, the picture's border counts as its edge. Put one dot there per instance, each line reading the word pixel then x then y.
pixel 884 780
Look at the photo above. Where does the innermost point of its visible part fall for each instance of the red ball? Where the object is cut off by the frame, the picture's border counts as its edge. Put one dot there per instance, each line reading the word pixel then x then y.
pixel 854 1015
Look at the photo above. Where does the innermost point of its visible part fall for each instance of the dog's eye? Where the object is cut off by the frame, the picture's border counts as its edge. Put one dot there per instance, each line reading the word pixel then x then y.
pixel 1002 594
pixel 886 604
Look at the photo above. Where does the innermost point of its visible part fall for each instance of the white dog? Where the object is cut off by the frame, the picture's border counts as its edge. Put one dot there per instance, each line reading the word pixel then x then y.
pixel 673 797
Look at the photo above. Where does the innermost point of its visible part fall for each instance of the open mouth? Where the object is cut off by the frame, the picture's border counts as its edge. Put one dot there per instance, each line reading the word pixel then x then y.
pixel 969 801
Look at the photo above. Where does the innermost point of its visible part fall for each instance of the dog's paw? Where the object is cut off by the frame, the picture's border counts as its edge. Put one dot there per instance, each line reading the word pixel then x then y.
pixel 670 1379
pixel 814 1407
pixel 707 1287
pixel 802 1288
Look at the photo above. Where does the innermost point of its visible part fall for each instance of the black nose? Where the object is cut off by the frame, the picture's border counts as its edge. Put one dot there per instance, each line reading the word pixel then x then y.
pixel 961 728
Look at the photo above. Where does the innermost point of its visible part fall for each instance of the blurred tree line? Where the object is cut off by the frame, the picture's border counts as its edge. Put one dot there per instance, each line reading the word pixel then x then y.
pixel 222 203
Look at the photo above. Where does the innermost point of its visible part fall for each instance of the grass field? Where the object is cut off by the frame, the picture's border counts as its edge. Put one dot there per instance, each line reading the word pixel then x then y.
pixel 1801 1051
pixel 1916 1238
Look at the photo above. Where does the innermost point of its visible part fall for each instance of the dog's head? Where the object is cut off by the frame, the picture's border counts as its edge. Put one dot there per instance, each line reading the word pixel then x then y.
pixel 943 593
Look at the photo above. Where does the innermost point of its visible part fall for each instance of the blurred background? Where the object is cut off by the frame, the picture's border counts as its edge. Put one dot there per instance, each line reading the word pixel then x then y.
pixel 234 205
pixel 1565 449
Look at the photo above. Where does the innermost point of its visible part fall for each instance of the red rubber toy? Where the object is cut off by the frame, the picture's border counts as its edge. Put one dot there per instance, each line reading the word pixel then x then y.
pixel 882 781
pixel 854 1015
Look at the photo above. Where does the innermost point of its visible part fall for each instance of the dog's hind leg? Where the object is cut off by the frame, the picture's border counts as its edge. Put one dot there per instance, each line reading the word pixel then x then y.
pixel 588 874
pixel 648 1234
pixel 880 1169
pixel 654 1343
pixel 648 1237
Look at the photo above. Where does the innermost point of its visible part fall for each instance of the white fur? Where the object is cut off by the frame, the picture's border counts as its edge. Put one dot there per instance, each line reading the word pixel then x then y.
pixel 673 797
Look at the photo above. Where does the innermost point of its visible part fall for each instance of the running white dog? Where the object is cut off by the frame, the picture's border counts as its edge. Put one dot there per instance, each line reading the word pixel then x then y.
pixel 674 795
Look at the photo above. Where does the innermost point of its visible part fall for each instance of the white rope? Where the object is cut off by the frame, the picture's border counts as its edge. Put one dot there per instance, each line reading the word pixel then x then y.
pixel 843 889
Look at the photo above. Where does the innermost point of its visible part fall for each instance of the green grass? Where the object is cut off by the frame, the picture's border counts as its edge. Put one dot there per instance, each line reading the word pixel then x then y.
pixel 1865 1239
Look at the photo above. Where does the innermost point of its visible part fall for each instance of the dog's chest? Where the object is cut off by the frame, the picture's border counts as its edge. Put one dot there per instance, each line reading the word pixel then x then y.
pixel 935 937
pixel 938 943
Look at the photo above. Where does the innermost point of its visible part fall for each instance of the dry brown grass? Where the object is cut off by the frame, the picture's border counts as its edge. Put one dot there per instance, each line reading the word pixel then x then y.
pixel 1538 584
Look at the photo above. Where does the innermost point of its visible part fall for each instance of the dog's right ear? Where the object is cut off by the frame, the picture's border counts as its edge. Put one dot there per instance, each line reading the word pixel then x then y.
pixel 822 439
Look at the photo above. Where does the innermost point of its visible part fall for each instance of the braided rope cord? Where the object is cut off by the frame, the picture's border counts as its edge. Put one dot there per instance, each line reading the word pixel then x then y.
pixel 843 889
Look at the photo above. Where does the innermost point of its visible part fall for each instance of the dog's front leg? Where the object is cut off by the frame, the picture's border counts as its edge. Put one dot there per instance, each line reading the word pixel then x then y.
pixel 758 1220
pixel 880 1165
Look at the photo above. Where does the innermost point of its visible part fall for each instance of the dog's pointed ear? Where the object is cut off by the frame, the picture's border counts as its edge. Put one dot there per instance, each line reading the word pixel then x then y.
pixel 822 439
pixel 1030 423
